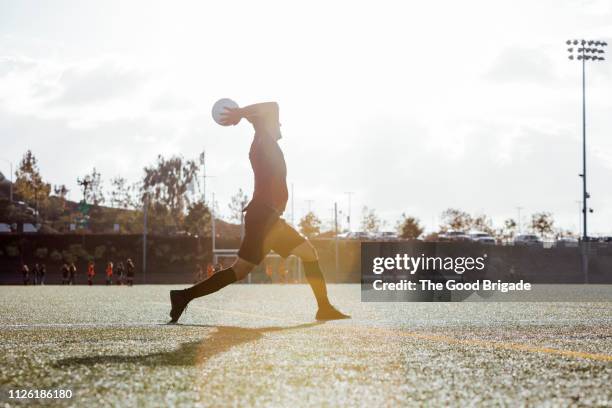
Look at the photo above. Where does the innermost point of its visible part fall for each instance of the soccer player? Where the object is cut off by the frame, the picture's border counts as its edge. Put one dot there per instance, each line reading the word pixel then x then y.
pixel 36 273
pixel 120 273
pixel 130 271
pixel 109 273
pixel 73 272
pixel 42 273
pixel 25 271
pixel 65 273
pixel 91 272
pixel 265 230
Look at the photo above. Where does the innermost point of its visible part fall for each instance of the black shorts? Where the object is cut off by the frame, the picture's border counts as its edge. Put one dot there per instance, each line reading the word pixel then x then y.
pixel 265 231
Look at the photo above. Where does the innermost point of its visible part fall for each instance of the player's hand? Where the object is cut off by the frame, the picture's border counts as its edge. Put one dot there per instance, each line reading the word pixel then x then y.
pixel 231 116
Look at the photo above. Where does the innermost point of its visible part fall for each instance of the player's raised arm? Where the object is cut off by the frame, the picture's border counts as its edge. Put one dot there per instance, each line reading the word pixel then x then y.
pixel 265 111
pixel 261 110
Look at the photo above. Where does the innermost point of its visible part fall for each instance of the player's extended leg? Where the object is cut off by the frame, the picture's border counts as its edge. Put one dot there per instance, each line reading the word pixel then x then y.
pixel 181 298
pixel 314 276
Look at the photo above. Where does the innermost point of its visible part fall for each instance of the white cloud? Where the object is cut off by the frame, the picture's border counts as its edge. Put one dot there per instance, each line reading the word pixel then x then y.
pixel 415 107
pixel 96 81
pixel 523 64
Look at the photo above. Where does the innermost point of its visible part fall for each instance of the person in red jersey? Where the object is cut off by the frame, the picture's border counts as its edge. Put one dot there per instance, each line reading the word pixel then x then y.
pixel 109 273
pixel 91 272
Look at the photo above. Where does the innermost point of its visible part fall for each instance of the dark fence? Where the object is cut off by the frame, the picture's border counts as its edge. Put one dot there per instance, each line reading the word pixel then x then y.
pixel 174 259
pixel 169 259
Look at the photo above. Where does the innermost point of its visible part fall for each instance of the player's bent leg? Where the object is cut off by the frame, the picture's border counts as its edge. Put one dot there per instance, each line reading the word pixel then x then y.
pixel 306 252
pixel 314 276
pixel 242 268
pixel 179 299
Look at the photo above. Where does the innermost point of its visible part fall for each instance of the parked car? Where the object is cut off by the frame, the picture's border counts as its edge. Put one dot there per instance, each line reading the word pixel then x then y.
pixel 474 235
pixel 487 240
pixel 386 236
pixel 357 235
pixel 527 240
pixel 453 235
pixel 567 242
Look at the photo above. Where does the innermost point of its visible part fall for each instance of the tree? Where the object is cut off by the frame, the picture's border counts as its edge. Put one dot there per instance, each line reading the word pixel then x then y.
pixel 167 182
pixel 542 223
pixel 482 223
pixel 454 219
pixel 237 204
pixel 564 233
pixel 56 205
pixel 508 231
pixel 121 193
pixel 198 219
pixel 369 220
pixel 29 184
pixel 61 191
pixel 409 227
pixel 310 225
pixel 92 187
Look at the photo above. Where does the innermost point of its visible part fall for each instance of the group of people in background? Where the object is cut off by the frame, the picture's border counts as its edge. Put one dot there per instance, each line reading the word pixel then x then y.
pixel 121 274
pixel 35 275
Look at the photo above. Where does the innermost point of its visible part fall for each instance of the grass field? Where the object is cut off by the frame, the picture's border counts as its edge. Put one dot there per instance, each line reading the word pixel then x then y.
pixel 258 345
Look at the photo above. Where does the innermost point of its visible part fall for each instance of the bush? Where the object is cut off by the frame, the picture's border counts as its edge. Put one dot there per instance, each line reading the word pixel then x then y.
pixel 161 251
pixel 12 251
pixel 69 256
pixel 41 253
pixel 56 256
pixel 77 251
pixel 99 251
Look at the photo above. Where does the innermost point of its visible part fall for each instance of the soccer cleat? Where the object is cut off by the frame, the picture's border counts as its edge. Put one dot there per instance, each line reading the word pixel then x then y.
pixel 179 302
pixel 330 313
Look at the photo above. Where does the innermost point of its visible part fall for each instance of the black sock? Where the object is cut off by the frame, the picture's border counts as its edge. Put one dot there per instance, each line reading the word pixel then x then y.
pixel 218 281
pixel 317 282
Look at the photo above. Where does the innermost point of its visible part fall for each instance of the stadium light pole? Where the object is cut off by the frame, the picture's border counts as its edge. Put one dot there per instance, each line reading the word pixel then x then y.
pixel 145 209
pixel 337 259
pixel 579 217
pixel 348 217
pixel 203 164
pixel 309 202
pixel 583 51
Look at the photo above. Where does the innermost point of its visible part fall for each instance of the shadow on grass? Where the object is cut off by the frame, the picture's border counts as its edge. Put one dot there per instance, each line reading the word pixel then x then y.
pixel 190 353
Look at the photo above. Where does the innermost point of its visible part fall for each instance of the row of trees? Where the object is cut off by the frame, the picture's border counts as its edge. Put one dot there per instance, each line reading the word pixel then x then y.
pixel 167 190
pixel 409 227
pixel 540 223
pixel 164 190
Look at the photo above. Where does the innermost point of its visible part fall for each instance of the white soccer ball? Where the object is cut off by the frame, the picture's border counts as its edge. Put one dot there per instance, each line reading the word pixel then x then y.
pixel 219 108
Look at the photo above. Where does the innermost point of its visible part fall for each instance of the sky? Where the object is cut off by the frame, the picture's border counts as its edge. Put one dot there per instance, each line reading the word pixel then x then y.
pixel 414 107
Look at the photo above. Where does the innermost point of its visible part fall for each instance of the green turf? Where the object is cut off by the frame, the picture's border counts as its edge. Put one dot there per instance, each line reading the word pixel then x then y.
pixel 259 346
